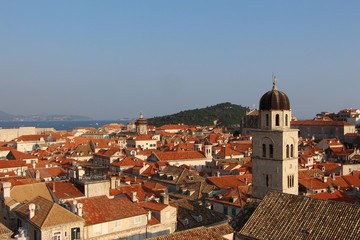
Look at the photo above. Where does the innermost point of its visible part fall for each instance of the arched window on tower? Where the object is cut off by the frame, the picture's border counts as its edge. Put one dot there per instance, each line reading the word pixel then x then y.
pixel 264 150
pixel 267 180
pixel 292 150
pixel 277 120
pixel 287 151
pixel 286 120
pixel 267 120
pixel 271 151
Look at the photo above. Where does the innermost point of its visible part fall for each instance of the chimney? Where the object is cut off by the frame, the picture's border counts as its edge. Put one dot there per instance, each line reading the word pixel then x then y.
pixel 149 215
pixel 37 175
pixel 112 182
pixel 165 198
pixel 333 176
pixel 53 186
pixel 246 181
pixel 79 209
pixel 73 206
pixel 33 164
pixel 32 208
pixel 218 173
pixel 325 179
pixel 133 196
pixel 6 189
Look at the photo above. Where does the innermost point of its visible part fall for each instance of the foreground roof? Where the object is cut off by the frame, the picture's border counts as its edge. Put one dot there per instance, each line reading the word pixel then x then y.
pixel 48 213
pixel 285 216
pixel 210 233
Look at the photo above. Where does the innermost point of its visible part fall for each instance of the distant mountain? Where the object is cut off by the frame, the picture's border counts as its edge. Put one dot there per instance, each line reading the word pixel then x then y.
pixel 6 116
pixel 42 117
pixel 222 114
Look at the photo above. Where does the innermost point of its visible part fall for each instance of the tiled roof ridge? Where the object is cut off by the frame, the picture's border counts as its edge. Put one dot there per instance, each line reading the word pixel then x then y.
pixel 47 214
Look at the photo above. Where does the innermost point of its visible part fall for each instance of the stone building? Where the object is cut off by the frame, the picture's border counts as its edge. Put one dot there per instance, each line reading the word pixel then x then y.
pixel 275 153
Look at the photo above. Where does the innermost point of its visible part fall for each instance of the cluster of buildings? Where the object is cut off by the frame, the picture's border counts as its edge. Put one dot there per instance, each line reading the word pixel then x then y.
pixel 185 182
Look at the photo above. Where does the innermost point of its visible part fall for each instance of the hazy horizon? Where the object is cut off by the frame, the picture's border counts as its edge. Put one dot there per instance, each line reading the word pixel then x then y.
pixel 114 59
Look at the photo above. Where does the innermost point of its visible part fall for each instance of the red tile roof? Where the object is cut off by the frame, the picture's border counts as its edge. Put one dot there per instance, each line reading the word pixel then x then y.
pixel 321 123
pixel 101 209
pixel 179 155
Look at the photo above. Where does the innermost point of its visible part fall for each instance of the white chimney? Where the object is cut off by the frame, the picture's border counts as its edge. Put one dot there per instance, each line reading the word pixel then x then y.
pixel 73 206
pixel 32 208
pixel 149 215
pixel 165 198
pixel 6 189
pixel 112 182
pixel 133 196
pixel 37 175
pixel 80 209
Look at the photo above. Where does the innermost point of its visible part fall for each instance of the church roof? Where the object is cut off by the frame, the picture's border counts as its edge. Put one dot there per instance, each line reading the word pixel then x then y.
pixel 286 216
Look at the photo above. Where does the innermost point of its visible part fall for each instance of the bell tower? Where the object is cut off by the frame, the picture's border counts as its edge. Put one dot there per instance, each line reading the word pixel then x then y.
pixel 275 147
pixel 141 125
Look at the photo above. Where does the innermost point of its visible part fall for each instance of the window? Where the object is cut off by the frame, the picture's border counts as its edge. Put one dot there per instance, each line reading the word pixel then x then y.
pixel 290 179
pixel 56 236
pixel 137 219
pixel 287 151
pixel 267 180
pixel 267 120
pixel 286 120
pixel 233 212
pixel 277 120
pixel 225 210
pixel 292 150
pixel 75 233
pixel 264 150
pixel 271 151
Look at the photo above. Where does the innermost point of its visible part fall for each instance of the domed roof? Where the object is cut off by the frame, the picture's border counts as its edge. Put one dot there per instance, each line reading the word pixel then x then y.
pixel 141 120
pixel 274 100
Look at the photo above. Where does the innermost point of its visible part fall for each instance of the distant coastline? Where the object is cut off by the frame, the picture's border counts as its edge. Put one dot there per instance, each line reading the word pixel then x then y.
pixel 59 125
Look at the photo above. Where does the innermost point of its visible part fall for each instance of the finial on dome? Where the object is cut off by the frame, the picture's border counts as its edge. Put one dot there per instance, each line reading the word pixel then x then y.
pixel 274 82
pixel 141 115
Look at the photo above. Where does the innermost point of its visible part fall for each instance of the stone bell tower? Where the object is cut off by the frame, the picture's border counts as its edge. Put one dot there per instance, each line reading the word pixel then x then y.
pixel 141 125
pixel 275 147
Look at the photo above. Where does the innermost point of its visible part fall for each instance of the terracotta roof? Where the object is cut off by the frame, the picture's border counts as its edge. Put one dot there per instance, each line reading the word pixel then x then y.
pixel 12 163
pixel 35 137
pixel 173 127
pixel 216 232
pixel 320 123
pixel 228 181
pixel 285 216
pixel 236 196
pixel 179 155
pixel 64 190
pixel 20 155
pixel 22 193
pixel 226 152
pixel 337 195
pixel 101 209
pixel 313 183
pixel 48 213
pixel 153 205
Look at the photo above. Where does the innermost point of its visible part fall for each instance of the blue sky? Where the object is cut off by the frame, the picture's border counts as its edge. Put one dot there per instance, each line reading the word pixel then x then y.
pixel 112 59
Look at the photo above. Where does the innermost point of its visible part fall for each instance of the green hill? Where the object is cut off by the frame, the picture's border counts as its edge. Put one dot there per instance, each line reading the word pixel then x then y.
pixel 223 114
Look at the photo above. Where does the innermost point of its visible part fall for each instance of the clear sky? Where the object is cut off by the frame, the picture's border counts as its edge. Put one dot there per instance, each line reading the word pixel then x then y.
pixel 112 59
